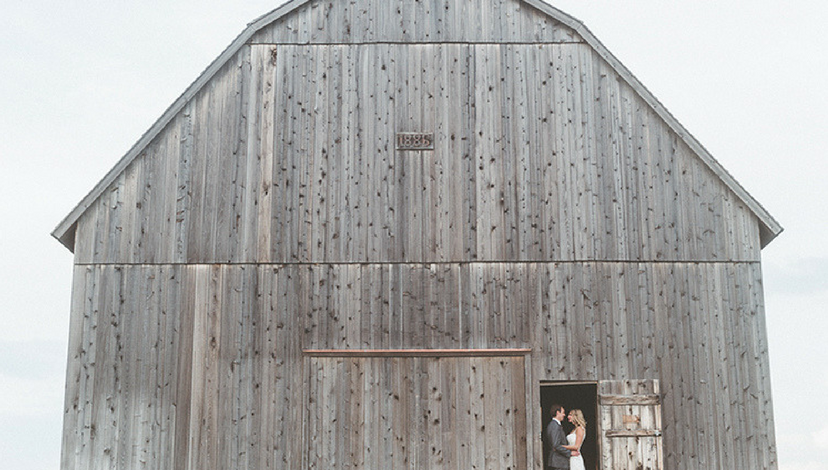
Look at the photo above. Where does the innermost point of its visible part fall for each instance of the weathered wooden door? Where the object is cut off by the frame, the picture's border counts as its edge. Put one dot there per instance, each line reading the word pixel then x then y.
pixel 630 424
pixel 426 413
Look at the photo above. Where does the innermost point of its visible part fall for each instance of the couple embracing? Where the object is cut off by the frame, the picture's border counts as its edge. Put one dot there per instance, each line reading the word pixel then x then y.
pixel 565 450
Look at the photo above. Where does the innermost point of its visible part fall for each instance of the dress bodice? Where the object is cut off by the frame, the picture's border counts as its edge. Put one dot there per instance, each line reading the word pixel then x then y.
pixel 575 462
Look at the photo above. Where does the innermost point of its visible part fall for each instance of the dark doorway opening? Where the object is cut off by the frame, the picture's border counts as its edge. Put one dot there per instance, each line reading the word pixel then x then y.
pixel 573 395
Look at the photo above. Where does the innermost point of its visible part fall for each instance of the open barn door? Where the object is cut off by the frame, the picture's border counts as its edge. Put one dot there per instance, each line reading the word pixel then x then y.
pixel 630 424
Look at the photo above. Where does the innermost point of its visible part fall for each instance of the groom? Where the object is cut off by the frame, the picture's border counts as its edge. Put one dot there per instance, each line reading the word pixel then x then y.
pixel 558 455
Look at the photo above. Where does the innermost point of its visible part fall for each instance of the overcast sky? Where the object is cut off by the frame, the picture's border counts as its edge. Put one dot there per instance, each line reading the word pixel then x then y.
pixel 81 81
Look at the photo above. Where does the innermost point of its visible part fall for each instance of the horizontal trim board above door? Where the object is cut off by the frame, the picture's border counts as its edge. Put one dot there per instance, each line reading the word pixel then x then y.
pixel 415 352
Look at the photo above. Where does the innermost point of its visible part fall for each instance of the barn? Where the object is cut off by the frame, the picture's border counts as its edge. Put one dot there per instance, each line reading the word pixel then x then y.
pixel 388 234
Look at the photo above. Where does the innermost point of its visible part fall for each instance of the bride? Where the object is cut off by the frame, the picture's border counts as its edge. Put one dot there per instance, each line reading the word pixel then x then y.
pixel 576 438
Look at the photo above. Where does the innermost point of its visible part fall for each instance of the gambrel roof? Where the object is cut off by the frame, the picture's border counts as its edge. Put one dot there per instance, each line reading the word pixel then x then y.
pixel 65 231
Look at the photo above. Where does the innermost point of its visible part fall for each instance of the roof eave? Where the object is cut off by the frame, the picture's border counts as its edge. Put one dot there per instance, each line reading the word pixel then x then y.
pixel 768 234
pixel 66 237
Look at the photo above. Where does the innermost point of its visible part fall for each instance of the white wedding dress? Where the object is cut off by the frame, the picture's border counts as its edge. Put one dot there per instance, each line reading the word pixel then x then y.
pixel 577 462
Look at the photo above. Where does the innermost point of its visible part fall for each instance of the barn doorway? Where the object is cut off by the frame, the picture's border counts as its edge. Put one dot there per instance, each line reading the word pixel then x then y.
pixel 573 395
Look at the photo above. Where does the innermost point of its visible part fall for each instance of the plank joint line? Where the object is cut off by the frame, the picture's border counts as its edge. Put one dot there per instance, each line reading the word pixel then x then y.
pixel 415 352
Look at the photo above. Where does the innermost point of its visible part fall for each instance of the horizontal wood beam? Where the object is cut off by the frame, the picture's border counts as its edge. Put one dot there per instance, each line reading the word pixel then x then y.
pixel 633 433
pixel 416 352
pixel 620 400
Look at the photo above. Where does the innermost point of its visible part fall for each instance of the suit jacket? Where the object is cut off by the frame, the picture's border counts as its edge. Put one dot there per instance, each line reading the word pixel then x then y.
pixel 558 456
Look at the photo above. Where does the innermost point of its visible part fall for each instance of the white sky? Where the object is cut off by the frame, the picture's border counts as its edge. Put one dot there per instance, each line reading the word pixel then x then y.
pixel 80 82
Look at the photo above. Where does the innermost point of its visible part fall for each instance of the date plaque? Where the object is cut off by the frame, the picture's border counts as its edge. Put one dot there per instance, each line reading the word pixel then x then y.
pixel 415 141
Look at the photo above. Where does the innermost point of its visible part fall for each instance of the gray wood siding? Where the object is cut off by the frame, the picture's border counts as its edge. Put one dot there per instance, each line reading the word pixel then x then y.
pixel 416 412
pixel 542 154
pixel 202 366
pixel 558 213
pixel 633 443
pixel 368 21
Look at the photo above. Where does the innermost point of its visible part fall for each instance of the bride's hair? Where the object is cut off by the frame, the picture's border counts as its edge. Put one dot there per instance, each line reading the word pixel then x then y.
pixel 578 418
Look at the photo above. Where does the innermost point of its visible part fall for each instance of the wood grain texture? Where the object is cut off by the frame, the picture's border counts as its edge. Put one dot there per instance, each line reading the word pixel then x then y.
pixel 366 21
pixel 407 396
pixel 541 154
pixel 213 355
pixel 269 283
pixel 631 429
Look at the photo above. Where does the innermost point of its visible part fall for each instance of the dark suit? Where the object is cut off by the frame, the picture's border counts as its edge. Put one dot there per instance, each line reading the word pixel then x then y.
pixel 558 456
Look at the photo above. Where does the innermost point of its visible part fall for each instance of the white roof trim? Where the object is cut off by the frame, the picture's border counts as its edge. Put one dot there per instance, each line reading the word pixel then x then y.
pixel 65 231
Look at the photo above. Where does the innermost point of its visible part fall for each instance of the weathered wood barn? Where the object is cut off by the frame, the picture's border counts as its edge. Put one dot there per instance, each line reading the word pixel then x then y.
pixel 387 234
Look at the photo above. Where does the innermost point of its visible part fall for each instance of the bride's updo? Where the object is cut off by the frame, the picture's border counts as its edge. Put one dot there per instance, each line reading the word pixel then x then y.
pixel 577 418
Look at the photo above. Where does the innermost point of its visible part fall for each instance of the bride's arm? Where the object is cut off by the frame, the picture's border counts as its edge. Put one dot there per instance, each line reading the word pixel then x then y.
pixel 580 432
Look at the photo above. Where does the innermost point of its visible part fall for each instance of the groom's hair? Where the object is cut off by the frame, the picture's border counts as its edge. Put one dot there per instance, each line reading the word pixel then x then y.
pixel 554 410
